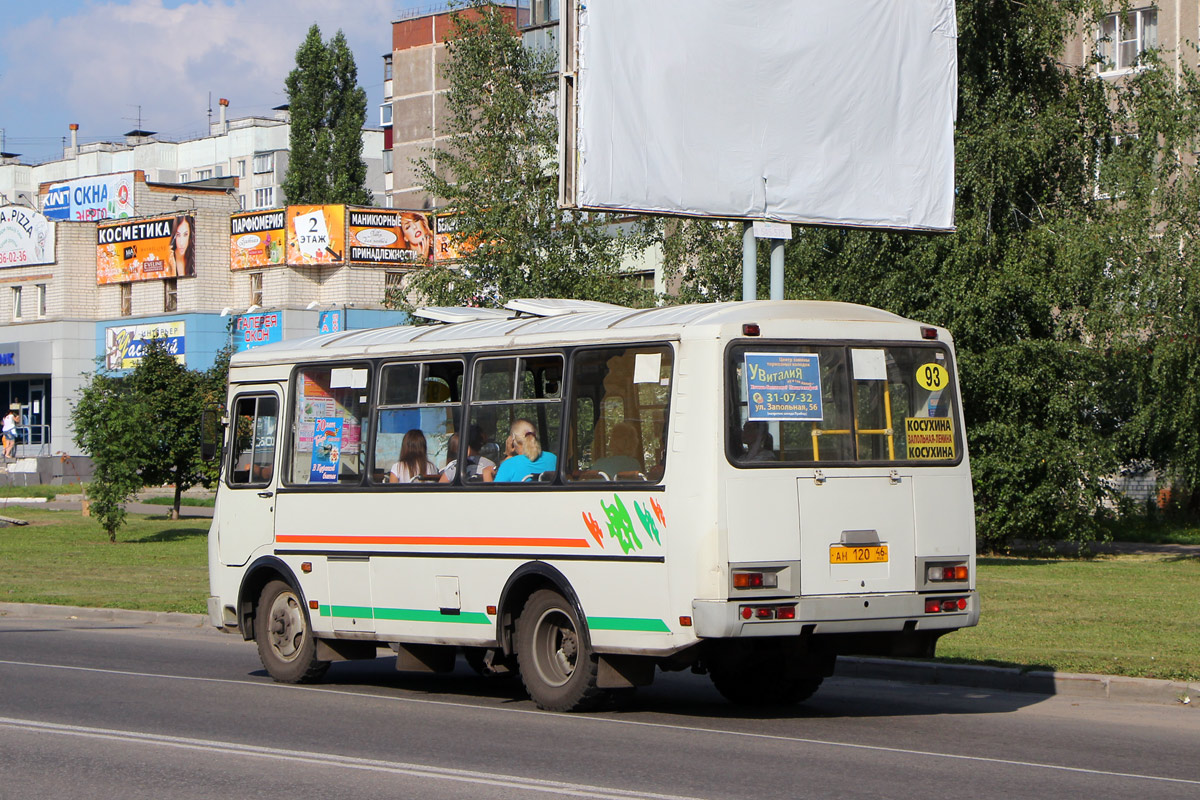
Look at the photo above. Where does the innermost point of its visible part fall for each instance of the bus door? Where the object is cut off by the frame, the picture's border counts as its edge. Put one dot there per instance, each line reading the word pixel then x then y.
pixel 247 500
pixel 891 412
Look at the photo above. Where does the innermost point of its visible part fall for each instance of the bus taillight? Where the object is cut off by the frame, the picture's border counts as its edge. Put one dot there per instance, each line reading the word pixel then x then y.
pixel 755 580
pixel 936 605
pixel 946 572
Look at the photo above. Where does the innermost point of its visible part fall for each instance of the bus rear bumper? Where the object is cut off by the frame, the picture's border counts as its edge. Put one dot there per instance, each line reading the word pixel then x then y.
pixel 717 619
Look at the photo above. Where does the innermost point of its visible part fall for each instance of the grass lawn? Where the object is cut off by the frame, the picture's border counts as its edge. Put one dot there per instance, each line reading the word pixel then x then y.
pixel 63 558
pixel 205 502
pixel 1124 615
pixel 1118 615
pixel 40 490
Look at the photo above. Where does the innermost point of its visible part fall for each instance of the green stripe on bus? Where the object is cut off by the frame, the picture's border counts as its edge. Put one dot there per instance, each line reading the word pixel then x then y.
pixel 627 624
pixel 405 614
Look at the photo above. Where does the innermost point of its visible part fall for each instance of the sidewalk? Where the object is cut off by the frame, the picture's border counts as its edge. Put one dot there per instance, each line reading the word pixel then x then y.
pixel 1114 688
pixel 74 502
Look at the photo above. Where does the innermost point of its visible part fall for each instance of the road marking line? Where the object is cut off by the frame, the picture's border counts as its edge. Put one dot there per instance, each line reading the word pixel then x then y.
pixel 611 721
pixel 334 760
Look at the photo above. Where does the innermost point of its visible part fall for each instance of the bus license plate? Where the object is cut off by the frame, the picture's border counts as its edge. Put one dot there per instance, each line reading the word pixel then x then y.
pixel 875 554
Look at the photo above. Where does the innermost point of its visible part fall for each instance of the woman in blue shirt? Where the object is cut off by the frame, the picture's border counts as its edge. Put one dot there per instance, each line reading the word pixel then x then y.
pixel 526 456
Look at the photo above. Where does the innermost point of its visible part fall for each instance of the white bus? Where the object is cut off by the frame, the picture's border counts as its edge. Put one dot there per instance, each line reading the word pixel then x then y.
pixel 744 489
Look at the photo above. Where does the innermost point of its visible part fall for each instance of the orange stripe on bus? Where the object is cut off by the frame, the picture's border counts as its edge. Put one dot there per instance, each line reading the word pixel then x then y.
pixel 434 540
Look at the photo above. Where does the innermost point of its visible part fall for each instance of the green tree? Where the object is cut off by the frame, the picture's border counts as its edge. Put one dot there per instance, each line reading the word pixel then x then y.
pixel 172 396
pixel 109 423
pixel 328 110
pixel 497 179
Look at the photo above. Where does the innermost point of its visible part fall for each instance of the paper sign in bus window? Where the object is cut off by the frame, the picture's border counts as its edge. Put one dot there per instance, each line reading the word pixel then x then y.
pixel 326 450
pixel 929 438
pixel 932 377
pixel 784 386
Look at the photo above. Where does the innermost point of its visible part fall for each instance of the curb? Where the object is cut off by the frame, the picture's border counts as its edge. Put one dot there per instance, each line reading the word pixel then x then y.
pixel 121 615
pixel 1012 679
pixel 1117 688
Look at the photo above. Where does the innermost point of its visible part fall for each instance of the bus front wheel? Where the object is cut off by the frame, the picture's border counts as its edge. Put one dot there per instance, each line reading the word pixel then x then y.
pixel 556 664
pixel 284 637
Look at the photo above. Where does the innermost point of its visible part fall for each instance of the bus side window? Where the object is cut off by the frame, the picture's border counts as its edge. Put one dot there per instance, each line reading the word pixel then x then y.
pixel 424 397
pixel 330 424
pixel 618 426
pixel 505 390
pixel 252 457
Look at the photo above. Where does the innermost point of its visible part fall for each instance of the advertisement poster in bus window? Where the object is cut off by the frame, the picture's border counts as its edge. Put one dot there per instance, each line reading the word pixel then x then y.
pixel 784 386
pixel 147 249
pixel 315 403
pixel 256 239
pixel 379 236
pixel 326 450
pixel 316 235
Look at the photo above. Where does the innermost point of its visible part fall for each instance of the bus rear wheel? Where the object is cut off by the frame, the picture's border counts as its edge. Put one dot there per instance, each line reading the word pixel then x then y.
pixel 556 664
pixel 284 636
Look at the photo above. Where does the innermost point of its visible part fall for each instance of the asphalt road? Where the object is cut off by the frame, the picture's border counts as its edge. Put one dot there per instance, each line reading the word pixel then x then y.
pixel 103 710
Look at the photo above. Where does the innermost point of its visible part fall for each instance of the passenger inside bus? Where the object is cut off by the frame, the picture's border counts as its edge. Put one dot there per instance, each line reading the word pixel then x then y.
pixel 475 462
pixel 757 442
pixel 526 459
pixel 413 464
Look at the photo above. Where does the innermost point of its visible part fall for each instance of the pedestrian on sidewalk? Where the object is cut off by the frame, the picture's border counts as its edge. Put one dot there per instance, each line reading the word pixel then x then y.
pixel 9 432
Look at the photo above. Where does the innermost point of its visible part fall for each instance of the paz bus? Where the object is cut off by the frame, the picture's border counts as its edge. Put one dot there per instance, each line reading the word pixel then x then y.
pixel 747 490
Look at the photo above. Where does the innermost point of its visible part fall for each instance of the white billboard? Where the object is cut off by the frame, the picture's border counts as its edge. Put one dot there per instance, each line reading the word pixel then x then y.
pixel 92 198
pixel 788 110
pixel 26 237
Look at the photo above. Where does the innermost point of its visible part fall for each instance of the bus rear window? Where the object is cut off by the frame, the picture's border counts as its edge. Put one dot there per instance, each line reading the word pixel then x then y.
pixel 808 404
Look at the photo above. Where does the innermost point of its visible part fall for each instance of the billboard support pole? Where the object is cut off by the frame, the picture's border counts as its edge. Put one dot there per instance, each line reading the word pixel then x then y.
pixel 749 262
pixel 777 269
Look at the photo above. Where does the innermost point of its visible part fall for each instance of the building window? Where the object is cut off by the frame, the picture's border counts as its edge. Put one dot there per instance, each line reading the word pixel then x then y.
pixel 183 177
pixel 41 299
pixel 203 174
pixel 220 170
pixel 385 114
pixel 241 169
pixel 264 162
pixel 16 294
pixel 242 202
pixel 1124 37
pixel 393 294
pixel 126 299
pixel 387 68
pixel 387 160
pixel 256 292
pixel 170 294
pixel 264 198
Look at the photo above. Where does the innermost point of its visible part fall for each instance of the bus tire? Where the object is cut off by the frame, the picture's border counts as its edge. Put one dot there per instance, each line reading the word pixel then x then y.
pixel 766 676
pixel 284 636
pixel 556 663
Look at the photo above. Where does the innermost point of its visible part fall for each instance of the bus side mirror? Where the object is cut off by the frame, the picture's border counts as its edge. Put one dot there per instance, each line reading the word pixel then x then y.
pixel 211 431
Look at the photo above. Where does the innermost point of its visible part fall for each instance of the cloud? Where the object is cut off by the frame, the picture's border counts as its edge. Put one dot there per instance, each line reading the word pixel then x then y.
pixel 96 65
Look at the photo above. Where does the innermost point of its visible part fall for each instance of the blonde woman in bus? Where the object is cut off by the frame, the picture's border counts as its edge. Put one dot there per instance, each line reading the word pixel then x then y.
pixel 526 456
pixel 414 461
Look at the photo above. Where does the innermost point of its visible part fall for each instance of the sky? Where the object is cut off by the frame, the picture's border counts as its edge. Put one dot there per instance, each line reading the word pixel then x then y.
pixel 95 62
